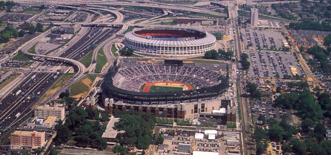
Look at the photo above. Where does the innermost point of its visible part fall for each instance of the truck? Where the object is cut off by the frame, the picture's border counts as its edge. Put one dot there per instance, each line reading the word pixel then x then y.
pixel 18 92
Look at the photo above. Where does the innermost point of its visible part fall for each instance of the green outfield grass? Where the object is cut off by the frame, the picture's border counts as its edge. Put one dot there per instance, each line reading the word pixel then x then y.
pixel 158 89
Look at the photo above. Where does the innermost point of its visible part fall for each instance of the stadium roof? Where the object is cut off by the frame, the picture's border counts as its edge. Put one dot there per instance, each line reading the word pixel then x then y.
pixel 209 39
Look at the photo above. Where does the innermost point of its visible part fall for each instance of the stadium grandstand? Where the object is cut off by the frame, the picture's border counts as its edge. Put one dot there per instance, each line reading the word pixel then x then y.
pixel 156 82
pixel 170 43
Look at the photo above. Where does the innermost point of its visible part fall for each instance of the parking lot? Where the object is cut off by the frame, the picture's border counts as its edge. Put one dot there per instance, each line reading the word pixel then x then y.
pixel 262 39
pixel 15 17
pixel 279 64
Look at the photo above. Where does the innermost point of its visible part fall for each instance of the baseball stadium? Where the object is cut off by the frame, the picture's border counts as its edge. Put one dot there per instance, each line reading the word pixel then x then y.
pixel 170 42
pixel 165 88
pixel 164 81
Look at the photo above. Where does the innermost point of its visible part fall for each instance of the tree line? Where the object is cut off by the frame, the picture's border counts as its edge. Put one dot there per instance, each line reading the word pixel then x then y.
pixel 138 132
pixel 11 32
pixel 219 54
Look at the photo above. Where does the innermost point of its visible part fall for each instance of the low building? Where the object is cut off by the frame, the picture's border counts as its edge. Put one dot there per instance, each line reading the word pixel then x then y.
pixel 50 122
pixel 211 134
pixel 110 133
pixel 187 111
pixel 274 148
pixel 328 134
pixel 27 139
pixel 45 111
pixel 184 149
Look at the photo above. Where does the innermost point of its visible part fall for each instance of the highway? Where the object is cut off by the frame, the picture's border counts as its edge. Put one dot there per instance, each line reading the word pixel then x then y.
pixel 18 101
pixel 180 7
pixel 22 98
pixel 243 103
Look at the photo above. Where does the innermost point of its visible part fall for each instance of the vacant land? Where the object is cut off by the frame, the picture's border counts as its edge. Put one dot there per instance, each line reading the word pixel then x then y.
pixel 82 87
pixel 86 60
pixel 114 50
pixel 59 83
pixel 101 61
pixel 22 57
pixel 8 80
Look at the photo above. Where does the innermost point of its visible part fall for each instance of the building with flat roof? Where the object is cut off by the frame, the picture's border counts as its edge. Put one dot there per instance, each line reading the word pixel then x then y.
pixel 27 139
pixel 110 133
pixel 254 17
pixel 50 122
pixel 45 111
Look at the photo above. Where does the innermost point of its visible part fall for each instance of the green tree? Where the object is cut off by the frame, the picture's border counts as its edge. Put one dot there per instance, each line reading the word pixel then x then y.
pixel 244 61
pixel 325 101
pixel 92 113
pixel 276 133
pixel 126 51
pixel 298 147
pixel 260 147
pixel 289 130
pixel 319 132
pixel 39 27
pixel 313 148
pixel 327 40
pixel 307 125
pixel 158 139
pixel 144 141
pixel 63 134
pixel 138 129
pixel 121 150
pixel 253 91
pixel 260 136
pixel 326 144
pixel 212 54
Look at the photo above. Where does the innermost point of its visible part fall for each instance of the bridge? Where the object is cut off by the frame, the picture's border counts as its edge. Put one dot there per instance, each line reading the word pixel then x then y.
pixel 78 67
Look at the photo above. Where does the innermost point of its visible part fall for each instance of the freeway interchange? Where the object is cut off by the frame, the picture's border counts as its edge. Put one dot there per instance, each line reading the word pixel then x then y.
pixel 17 102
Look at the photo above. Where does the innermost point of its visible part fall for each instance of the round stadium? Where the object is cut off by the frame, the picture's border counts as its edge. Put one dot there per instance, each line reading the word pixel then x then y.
pixel 142 81
pixel 170 43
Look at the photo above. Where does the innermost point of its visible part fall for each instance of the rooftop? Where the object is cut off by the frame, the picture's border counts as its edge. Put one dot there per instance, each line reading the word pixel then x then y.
pixel 110 132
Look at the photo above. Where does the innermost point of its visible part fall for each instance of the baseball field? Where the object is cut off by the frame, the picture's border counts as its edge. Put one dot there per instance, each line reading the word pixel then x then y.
pixel 157 87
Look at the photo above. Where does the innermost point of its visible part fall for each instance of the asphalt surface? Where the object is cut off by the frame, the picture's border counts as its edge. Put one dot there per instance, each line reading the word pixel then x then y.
pixel 22 98
pixel 88 42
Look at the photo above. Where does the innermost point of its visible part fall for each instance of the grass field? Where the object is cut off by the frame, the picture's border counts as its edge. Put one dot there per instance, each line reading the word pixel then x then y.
pixel 114 50
pixel 22 57
pixel 31 10
pixel 33 49
pixel 81 88
pixel 59 83
pixel 101 61
pixel 8 80
pixel 158 89
pixel 231 125
pixel 130 28
pixel 86 59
